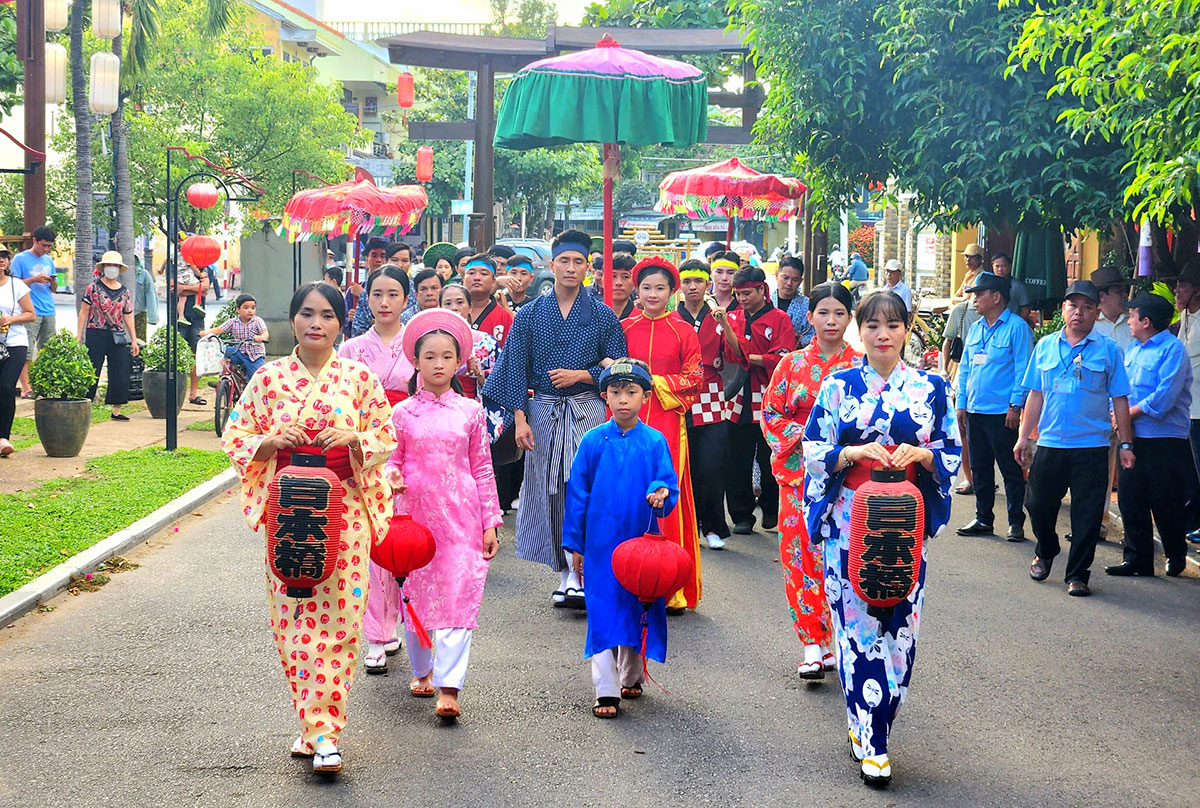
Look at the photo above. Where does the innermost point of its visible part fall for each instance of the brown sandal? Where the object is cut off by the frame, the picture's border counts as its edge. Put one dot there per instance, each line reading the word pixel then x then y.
pixel 420 691
pixel 632 691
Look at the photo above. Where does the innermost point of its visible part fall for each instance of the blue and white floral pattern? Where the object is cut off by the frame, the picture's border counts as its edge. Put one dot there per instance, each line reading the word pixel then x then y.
pixel 858 406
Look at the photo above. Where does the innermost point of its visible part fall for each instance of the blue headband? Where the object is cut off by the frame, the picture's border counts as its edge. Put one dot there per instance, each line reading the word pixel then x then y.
pixel 483 264
pixel 623 372
pixel 569 246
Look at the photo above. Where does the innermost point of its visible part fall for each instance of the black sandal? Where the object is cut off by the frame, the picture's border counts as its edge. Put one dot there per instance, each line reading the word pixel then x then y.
pixel 605 702
pixel 632 691
pixel 119 417
pixel 199 402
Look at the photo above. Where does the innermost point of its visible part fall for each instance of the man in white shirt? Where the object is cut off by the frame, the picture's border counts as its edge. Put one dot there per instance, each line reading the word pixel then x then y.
pixel 1187 300
pixel 1113 323
pixel 892 276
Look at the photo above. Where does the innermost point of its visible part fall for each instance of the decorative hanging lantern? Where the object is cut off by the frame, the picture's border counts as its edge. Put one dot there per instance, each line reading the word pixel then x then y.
pixel 56 16
pixel 405 94
pixel 105 83
pixel 201 251
pixel 304 522
pixel 56 73
pixel 407 546
pixel 106 18
pixel 202 195
pixel 887 530
pixel 424 164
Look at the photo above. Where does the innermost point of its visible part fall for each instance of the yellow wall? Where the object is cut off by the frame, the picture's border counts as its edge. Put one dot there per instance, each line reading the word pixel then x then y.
pixel 1089 253
pixel 958 267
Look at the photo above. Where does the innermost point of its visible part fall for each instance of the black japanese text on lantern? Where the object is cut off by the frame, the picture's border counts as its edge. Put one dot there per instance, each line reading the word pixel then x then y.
pixel 888 543
pixel 300 533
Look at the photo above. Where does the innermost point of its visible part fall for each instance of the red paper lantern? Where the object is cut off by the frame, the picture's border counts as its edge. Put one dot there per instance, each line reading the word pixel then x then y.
pixel 201 251
pixel 650 567
pixel 408 545
pixel 304 523
pixel 887 530
pixel 202 195
pixel 424 164
pixel 404 90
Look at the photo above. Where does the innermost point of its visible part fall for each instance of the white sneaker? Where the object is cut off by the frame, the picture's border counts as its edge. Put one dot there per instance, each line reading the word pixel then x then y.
pixel 516 503
pixel 715 542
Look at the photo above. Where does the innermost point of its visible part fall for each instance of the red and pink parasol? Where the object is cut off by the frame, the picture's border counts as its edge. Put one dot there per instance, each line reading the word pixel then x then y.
pixel 354 207
pixel 733 190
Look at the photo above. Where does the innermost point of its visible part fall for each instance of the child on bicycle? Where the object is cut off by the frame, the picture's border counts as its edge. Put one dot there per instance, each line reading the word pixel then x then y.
pixel 248 331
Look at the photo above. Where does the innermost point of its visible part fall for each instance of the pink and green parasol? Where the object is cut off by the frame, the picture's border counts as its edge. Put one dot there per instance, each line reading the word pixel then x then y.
pixel 732 190
pixel 353 207
pixel 609 95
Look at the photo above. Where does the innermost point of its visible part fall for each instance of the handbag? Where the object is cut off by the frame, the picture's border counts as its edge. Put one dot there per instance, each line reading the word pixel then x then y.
pixel 209 354
pixel 121 337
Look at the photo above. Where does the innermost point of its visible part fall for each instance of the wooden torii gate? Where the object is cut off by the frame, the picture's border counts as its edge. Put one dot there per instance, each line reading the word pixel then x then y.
pixel 489 55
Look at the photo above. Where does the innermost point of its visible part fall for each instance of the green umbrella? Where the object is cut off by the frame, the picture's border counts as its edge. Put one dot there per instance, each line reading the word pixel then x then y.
pixel 1039 260
pixel 610 95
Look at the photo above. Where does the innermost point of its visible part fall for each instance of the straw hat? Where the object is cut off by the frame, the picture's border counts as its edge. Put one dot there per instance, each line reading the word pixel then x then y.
pixel 113 258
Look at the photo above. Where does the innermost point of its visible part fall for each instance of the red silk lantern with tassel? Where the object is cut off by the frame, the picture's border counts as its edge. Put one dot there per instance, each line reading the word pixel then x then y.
pixel 407 546
pixel 887 531
pixel 304 522
pixel 201 251
pixel 202 195
pixel 424 164
pixel 404 93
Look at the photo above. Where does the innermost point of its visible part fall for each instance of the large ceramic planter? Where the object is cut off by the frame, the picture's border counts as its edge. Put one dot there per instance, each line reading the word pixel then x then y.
pixel 62 425
pixel 154 388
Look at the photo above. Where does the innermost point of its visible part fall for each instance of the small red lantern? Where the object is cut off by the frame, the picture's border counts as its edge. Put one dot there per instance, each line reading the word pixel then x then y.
pixel 201 251
pixel 408 545
pixel 304 522
pixel 202 195
pixel 887 530
pixel 424 164
pixel 404 93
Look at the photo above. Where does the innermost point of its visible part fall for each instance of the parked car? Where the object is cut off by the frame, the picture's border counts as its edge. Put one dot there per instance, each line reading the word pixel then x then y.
pixel 538 252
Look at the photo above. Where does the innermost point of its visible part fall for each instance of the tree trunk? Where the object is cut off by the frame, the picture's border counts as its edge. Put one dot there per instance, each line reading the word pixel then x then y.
pixel 84 232
pixel 121 183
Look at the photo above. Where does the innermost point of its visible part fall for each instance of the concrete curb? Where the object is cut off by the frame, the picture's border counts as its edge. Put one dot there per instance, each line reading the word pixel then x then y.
pixel 48 584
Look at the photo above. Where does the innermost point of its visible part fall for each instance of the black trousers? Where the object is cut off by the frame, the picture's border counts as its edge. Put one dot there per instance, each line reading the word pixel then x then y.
pixel 509 477
pixel 10 371
pixel 992 443
pixel 1193 514
pixel 708 461
pixel 745 442
pixel 1055 471
pixel 1156 486
pixel 100 346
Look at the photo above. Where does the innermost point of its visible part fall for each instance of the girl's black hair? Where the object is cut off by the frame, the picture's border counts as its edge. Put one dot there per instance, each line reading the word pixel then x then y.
pixel 243 298
pixel 332 296
pixel 392 271
pixel 455 384
pixel 883 305
pixel 835 290
pixel 652 269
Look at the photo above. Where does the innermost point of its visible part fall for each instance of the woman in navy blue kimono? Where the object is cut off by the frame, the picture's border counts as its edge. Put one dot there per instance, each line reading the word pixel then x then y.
pixel 881 414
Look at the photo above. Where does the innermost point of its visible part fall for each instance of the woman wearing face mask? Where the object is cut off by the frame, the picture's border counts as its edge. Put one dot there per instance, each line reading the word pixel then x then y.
pixel 106 328
pixel 16 309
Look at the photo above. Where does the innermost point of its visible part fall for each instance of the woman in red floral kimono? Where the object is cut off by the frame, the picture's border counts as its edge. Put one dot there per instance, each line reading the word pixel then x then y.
pixel 787 402
pixel 666 343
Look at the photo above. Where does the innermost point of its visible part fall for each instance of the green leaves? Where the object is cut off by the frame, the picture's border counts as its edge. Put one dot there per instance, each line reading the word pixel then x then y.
pixel 155 353
pixel 62 369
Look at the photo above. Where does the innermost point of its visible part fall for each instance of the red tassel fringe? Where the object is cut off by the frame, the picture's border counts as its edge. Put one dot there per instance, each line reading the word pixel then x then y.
pixel 417 628
pixel 645 662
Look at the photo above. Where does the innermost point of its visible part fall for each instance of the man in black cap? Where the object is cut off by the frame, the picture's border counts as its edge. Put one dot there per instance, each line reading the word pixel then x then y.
pixel 1161 381
pixel 1072 377
pixel 991 395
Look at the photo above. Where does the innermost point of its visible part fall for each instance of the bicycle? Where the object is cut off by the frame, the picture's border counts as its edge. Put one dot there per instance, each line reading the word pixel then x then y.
pixel 230 384
pixel 924 342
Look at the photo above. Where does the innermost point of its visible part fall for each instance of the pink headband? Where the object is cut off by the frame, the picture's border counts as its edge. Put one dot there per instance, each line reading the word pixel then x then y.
pixel 437 320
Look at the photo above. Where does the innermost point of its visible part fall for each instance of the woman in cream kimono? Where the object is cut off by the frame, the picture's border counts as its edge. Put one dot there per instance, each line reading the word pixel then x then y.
pixel 313 397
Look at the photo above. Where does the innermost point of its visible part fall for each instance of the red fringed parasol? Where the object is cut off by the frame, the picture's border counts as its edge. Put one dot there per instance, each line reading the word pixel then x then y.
pixel 730 189
pixel 355 206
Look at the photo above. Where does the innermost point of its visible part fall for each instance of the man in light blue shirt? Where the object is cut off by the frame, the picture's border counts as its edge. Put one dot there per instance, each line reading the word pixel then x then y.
pixel 1158 486
pixel 1073 375
pixel 788 298
pixel 36 268
pixel 991 394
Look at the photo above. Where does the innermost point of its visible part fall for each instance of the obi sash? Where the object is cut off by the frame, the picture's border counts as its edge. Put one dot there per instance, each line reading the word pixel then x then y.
pixel 860 472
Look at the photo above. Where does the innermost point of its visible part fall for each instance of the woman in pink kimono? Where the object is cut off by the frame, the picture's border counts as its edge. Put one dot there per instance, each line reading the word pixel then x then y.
pixel 381 349
pixel 442 475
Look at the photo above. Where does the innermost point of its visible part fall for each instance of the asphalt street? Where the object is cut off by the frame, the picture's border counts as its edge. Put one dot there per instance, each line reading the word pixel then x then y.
pixel 163 689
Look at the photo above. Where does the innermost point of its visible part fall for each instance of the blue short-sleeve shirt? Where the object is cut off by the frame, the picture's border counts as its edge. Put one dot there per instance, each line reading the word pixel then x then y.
pixel 1077 382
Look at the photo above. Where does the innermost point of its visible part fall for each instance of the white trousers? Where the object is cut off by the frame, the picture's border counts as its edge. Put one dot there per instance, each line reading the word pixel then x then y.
pixel 447 659
pixel 616 668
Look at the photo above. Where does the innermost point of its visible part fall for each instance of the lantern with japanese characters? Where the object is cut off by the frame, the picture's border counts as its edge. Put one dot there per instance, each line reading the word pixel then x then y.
pixel 887 529
pixel 304 522
pixel 408 545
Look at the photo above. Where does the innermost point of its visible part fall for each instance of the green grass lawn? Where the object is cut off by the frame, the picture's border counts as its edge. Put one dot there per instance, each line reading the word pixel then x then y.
pixel 42 527
pixel 24 430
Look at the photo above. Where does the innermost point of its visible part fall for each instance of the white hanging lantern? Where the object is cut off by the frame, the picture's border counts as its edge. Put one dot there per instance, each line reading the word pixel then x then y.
pixel 105 83
pixel 56 15
pixel 56 73
pixel 106 18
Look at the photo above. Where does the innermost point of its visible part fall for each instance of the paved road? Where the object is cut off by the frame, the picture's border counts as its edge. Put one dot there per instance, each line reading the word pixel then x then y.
pixel 163 689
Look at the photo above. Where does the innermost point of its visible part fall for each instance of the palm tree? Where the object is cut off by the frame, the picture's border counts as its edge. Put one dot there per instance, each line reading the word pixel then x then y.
pixel 83 153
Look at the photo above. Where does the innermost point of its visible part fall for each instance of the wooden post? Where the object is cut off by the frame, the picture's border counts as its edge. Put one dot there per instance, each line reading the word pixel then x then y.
pixel 31 46
pixel 485 133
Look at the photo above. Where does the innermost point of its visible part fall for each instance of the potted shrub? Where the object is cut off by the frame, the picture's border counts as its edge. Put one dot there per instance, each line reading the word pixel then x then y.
pixel 62 376
pixel 154 377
